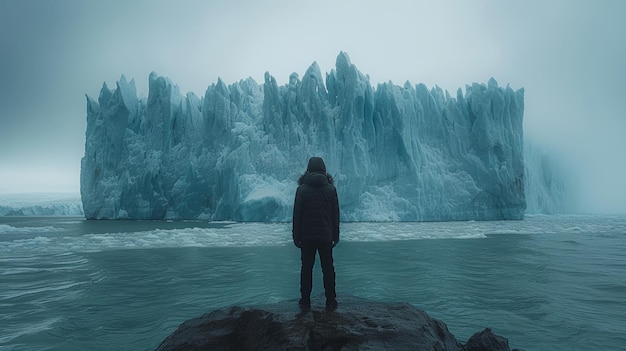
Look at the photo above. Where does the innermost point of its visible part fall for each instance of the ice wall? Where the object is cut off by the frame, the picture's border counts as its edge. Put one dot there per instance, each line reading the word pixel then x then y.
pixel 400 153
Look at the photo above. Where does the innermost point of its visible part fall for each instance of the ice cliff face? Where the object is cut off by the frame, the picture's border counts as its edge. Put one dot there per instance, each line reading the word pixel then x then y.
pixel 402 153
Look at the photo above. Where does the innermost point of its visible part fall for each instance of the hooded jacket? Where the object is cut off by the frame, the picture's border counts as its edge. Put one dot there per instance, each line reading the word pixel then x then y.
pixel 316 206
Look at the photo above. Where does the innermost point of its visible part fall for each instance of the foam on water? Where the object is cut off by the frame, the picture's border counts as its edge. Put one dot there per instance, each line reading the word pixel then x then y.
pixel 8 229
pixel 230 235
pixel 50 239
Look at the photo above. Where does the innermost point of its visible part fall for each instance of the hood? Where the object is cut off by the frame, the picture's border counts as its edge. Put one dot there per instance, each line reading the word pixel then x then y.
pixel 316 164
pixel 315 173
pixel 314 179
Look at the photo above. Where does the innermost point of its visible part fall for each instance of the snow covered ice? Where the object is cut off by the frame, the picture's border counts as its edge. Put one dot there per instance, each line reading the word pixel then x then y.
pixel 40 204
pixel 397 153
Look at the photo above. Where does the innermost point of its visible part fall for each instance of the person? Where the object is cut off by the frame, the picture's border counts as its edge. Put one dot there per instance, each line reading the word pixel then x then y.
pixel 316 229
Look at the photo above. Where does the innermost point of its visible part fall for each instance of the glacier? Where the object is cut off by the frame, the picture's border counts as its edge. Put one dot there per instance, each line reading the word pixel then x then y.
pixel 397 153
pixel 41 204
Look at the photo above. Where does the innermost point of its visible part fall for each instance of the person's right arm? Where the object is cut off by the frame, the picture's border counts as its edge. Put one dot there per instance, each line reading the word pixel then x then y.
pixel 335 217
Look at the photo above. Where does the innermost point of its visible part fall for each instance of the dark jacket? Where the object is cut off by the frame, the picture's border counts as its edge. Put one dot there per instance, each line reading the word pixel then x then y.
pixel 316 206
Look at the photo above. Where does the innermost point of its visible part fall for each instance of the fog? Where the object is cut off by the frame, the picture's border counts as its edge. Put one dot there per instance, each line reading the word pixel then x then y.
pixel 568 56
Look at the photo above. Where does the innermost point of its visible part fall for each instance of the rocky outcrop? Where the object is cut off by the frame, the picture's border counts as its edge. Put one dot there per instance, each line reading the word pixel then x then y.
pixel 357 324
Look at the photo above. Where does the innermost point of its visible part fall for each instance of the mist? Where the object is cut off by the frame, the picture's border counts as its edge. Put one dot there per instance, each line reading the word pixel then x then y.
pixel 568 56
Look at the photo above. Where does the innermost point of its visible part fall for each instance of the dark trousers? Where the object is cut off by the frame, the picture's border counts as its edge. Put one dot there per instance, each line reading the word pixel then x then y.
pixel 308 251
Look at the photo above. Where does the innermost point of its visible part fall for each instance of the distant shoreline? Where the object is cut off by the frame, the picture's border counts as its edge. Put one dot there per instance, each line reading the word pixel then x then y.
pixel 41 204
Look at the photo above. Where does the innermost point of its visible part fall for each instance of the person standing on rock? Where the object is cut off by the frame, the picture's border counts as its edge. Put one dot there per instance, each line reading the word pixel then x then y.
pixel 316 228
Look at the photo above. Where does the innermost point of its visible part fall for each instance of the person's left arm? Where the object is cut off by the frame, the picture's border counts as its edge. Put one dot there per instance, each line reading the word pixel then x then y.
pixel 297 210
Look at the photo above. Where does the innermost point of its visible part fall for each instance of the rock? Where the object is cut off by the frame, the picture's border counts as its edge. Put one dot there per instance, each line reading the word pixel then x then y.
pixel 486 340
pixel 357 324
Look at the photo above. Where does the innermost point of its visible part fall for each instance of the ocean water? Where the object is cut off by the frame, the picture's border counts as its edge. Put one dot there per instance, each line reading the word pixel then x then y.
pixel 545 283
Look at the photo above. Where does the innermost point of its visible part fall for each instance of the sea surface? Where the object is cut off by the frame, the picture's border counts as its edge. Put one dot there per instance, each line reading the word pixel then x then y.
pixel 545 283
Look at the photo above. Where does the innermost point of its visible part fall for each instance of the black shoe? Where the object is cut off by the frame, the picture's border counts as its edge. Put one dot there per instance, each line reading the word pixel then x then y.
pixel 304 303
pixel 331 304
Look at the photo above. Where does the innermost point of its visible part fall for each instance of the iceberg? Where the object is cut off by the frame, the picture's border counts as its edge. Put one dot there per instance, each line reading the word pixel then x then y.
pixel 397 153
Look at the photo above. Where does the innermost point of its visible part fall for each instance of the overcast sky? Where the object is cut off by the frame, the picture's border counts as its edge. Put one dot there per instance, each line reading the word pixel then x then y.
pixel 569 56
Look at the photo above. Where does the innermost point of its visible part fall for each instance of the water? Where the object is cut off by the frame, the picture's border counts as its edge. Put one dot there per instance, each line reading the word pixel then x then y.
pixel 545 283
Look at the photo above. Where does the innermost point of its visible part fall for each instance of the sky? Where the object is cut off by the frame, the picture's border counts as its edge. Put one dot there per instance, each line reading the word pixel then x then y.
pixel 569 56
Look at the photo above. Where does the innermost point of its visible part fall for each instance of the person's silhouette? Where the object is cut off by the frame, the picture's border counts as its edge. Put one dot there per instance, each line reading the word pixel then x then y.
pixel 316 228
